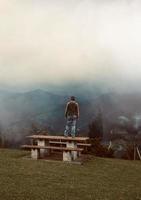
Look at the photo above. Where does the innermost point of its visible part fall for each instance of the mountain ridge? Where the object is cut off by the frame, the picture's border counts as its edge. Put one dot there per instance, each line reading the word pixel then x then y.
pixel 46 109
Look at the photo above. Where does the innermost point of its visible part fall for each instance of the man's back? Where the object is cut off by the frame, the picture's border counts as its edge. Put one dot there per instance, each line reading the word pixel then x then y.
pixel 72 108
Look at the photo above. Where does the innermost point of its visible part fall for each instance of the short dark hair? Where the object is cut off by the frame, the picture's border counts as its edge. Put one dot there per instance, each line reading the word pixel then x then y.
pixel 72 98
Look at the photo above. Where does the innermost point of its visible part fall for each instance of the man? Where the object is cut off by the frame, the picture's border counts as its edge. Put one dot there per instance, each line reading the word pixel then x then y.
pixel 72 115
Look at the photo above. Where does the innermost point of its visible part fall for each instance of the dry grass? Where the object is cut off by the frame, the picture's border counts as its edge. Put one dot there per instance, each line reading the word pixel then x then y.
pixel 97 179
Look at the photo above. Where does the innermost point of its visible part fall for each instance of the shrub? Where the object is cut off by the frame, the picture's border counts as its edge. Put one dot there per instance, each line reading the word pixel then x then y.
pixel 99 149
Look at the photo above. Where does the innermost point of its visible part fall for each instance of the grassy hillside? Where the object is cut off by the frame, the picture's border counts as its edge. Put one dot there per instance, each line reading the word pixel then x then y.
pixel 98 179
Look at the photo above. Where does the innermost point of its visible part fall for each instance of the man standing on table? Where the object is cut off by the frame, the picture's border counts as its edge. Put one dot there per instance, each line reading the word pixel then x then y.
pixel 72 115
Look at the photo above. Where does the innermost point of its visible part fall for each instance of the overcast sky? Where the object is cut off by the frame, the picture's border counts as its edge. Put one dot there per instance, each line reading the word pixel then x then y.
pixel 54 41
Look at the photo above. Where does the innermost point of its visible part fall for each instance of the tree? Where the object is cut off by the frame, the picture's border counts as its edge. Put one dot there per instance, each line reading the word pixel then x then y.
pixel 96 127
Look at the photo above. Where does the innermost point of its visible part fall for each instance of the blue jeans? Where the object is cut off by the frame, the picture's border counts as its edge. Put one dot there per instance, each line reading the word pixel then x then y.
pixel 71 126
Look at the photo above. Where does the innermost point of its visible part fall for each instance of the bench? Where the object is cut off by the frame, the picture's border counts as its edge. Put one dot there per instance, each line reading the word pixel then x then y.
pixel 41 145
pixel 64 143
pixel 83 145
pixel 68 152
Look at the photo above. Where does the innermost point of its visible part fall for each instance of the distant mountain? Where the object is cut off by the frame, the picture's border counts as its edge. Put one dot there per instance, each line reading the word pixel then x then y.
pixel 20 111
pixel 29 105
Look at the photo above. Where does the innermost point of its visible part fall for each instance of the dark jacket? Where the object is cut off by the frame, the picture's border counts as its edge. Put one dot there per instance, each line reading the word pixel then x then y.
pixel 72 108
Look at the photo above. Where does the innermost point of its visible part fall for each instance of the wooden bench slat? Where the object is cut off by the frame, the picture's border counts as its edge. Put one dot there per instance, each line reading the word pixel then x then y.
pixel 64 143
pixel 55 142
pixel 51 147
pixel 85 145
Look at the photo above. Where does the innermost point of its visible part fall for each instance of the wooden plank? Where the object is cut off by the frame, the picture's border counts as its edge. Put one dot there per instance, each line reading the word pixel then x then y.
pixel 84 145
pixel 56 142
pixel 62 138
pixel 51 147
pixel 64 143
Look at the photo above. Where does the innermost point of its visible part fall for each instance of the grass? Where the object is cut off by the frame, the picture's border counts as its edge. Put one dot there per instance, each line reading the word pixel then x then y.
pixel 98 179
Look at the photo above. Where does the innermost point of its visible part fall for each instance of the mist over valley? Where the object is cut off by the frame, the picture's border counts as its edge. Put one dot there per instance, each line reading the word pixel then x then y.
pixel 23 112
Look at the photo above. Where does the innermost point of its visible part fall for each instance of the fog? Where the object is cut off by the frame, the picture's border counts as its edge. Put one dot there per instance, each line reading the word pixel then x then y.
pixel 54 42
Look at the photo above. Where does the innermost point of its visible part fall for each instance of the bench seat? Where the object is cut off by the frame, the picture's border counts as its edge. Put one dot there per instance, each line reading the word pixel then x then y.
pixel 68 152
pixel 64 143
pixel 85 146
pixel 51 147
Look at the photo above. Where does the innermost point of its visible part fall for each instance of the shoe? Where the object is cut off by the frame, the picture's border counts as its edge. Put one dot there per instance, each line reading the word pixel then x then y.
pixel 65 135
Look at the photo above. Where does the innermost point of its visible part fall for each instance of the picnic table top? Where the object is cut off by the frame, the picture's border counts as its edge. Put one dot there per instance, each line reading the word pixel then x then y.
pixel 51 137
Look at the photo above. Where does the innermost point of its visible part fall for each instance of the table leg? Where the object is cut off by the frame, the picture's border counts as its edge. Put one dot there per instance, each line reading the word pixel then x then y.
pixel 67 156
pixel 42 151
pixel 73 145
pixel 35 153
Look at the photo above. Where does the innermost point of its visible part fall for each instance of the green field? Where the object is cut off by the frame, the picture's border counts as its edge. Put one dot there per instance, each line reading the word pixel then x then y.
pixel 97 179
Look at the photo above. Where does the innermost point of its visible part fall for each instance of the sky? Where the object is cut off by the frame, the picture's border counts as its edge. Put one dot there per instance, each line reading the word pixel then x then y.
pixel 51 42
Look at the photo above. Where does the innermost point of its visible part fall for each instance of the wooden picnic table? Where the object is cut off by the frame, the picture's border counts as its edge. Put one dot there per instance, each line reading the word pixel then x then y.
pixel 70 152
